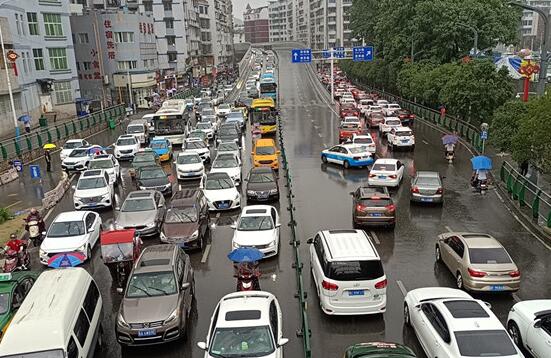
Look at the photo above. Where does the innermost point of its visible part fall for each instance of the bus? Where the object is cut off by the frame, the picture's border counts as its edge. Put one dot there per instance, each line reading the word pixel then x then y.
pixel 268 86
pixel 172 121
pixel 263 112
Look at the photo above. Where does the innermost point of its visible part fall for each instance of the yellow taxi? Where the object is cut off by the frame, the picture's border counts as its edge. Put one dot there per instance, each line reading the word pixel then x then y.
pixel 265 154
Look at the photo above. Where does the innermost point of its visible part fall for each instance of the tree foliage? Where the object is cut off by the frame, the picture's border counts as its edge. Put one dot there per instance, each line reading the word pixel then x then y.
pixel 505 124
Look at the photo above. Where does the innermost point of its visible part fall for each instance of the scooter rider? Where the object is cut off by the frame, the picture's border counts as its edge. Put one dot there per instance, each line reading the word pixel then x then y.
pixel 449 149
pixel 34 215
pixel 18 246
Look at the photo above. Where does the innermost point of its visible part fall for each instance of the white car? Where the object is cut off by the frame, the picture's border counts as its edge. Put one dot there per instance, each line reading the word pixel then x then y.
pixel 73 231
pixel 391 108
pixel 364 139
pixel 220 191
pixel 352 119
pixel 229 147
pixel 79 158
pixel 529 325
pixel 386 172
pixel 189 165
pixel 227 163
pixel 70 145
pixel 110 164
pixel 388 123
pixel 207 128
pixel 348 155
pixel 93 190
pixel 372 109
pixel 245 324
pixel 126 146
pixel 382 102
pixel 449 323
pixel 197 146
pixel 250 84
pixel 223 110
pixel 364 104
pixel 400 137
pixel 347 100
pixel 258 226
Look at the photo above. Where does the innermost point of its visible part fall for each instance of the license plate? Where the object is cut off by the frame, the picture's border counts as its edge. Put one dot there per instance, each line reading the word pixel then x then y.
pixel 497 288
pixel 147 332
pixel 182 244
pixel 382 177
pixel 375 214
pixel 224 206
pixel 426 199
pixel 189 174
pixel 405 140
pixel 356 293
pixel 262 196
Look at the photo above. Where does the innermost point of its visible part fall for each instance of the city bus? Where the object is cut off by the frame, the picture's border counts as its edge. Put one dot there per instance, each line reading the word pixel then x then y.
pixel 268 86
pixel 172 121
pixel 263 112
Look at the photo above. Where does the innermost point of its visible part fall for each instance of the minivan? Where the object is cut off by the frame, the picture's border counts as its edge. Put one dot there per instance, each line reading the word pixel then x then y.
pixel 348 273
pixel 139 129
pixel 60 317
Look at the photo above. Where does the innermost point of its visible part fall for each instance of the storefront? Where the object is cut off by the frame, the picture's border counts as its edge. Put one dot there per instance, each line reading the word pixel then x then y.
pixel 141 84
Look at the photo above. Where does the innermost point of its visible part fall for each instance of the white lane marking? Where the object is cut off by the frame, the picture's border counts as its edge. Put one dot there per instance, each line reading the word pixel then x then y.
pixel 424 141
pixel 499 196
pixel 375 237
pixel 402 287
pixel 516 298
pixel 319 134
pixel 316 126
pixel 448 228
pixel 17 202
pixel 13 194
pixel 205 254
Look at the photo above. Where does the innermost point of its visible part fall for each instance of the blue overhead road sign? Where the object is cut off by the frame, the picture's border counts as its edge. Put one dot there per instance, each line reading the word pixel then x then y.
pixel 339 52
pixel 301 55
pixel 326 53
pixel 362 53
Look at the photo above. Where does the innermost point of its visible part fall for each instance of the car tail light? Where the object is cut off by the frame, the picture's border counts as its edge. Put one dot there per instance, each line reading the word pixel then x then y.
pixel 390 208
pixel 415 189
pixel 439 191
pixel 372 175
pixel 475 273
pixel 360 207
pixel 515 273
pixel 393 176
pixel 329 286
pixel 412 116
pixel 381 284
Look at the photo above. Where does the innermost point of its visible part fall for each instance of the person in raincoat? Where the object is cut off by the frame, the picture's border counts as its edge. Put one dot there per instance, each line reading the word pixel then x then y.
pixel 48 159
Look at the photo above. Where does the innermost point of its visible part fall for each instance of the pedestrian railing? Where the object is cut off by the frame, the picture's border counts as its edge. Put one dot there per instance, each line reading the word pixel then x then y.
pixel 526 193
pixel 185 94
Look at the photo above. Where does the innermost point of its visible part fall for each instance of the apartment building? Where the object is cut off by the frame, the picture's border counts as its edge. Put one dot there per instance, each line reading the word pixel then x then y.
pixel 220 14
pixel 257 26
pixel 238 31
pixel 281 24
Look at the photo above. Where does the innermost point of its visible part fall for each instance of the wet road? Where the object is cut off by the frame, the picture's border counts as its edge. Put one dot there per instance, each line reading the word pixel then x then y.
pixel 323 202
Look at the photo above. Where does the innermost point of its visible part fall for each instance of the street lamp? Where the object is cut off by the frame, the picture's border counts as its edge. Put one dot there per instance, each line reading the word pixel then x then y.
pixel 475 33
pixel 545 44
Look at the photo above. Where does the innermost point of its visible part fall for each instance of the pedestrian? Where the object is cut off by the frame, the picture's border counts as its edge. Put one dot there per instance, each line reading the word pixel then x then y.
pixel 523 168
pixel 48 159
pixel 28 127
pixel 442 111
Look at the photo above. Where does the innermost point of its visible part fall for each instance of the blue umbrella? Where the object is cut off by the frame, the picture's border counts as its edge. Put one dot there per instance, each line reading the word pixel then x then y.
pixel 24 118
pixel 449 139
pixel 67 259
pixel 245 254
pixel 481 163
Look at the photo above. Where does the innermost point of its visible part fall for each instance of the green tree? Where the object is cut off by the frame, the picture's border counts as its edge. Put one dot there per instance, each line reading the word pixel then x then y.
pixel 505 124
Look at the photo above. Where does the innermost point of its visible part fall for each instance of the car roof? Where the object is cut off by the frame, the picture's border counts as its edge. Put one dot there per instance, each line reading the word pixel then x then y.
pixel 402 129
pixel 256 210
pixel 126 136
pixel 219 175
pixel 186 197
pixel 90 173
pixel 367 192
pixel 156 258
pixel 245 301
pixel 102 156
pixel 187 153
pixel 391 118
pixel 71 216
pixel 386 161
pixel 470 315
pixel 74 141
pixel 264 142
pixel 427 174
pixel 345 245
pixel 140 194
pixel 479 240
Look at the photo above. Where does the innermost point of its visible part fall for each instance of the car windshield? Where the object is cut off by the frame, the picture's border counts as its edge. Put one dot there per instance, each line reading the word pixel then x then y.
pixel 219 183
pixel 66 229
pixel 350 126
pixel 363 140
pixel 151 284
pixel 358 150
pixel 427 181
pixel 203 125
pixel 196 134
pixel 4 302
pixel 484 343
pixel 181 215
pixel 152 173
pixel 255 223
pixel 195 145
pixel 143 204
pixel 101 164
pixel 134 129
pixel 207 112
pixel 158 145
pixel 79 153
pixel 228 147
pixel 403 134
pixel 228 131
pixel 491 255
pixel 188 159
pixel 384 167
pixel 375 109
pixel 224 106
pixel 126 141
pixel 242 342
pixel 355 270
pixel 91 183
pixel 72 145
pixel 225 163
pixel 141 158
pixel 235 116
pixel 393 122
pixel 261 178
pixel 265 150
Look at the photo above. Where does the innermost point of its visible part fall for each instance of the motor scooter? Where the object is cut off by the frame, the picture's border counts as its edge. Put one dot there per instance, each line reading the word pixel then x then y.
pixel 450 156
pixel 483 186
pixel 36 235
pixel 247 279
pixel 15 261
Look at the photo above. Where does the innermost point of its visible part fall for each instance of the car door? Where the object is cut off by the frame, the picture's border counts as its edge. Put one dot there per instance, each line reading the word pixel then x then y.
pixel 457 254
pixel 332 155
pixel 275 218
pixel 93 224
pixel 316 261
pixel 538 339
pixel 275 325
pixel 400 169
pixel 203 213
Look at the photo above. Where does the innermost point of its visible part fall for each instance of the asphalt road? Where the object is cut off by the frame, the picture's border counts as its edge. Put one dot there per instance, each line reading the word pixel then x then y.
pixel 323 202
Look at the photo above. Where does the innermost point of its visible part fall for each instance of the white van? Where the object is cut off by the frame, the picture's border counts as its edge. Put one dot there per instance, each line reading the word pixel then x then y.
pixel 149 119
pixel 139 129
pixel 60 318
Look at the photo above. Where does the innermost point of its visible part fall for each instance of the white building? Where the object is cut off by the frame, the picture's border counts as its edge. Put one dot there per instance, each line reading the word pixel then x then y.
pixel 330 24
pixel 532 25
pixel 221 22
pixel 238 31
pixel 280 15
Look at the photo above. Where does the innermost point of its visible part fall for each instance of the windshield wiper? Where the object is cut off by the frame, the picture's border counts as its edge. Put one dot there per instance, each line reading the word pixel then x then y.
pixel 158 289
pixel 141 289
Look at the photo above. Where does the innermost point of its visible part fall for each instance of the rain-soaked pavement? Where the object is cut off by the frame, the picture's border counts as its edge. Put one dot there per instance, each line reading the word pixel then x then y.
pixel 323 202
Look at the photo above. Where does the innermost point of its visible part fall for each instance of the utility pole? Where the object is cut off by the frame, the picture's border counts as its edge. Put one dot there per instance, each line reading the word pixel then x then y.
pixel 8 80
pixel 331 56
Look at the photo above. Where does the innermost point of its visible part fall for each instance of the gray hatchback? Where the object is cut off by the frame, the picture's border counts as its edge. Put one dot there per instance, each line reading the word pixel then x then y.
pixel 427 187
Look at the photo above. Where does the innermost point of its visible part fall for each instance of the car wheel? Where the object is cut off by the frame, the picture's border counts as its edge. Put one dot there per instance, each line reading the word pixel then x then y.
pixel 515 333
pixel 324 158
pixel 437 254
pixel 89 253
pixel 407 319
pixel 346 164
pixel 459 281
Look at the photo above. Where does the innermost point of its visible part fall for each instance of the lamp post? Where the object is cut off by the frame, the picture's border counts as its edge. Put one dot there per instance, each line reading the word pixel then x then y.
pixel 545 44
pixel 8 80
pixel 475 34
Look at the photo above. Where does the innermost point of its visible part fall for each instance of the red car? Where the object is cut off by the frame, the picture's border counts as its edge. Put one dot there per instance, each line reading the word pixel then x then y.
pixel 406 117
pixel 347 130
pixel 348 110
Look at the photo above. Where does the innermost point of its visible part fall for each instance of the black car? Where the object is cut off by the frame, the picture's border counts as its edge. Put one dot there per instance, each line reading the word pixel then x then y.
pixel 406 117
pixel 153 178
pixel 262 185
pixel 229 133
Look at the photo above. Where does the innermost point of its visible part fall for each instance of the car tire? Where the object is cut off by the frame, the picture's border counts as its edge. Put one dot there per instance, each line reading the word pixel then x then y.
pixel 346 164
pixel 324 159
pixel 514 332
pixel 437 254
pixel 407 318
pixel 459 281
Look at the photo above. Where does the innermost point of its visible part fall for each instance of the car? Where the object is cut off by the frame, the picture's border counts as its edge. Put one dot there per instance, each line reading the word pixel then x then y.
pixel 157 302
pixel 189 104
pixel 347 131
pixel 344 100
pixel 529 325
pixel 400 137
pixel 144 158
pixel 348 273
pixel 382 102
pixel 223 110
pixel 405 116
pixel 162 147
pixel 374 119
pixel 142 211
pixel 186 220
pixel 373 206
pixel 71 231
pixel 154 178
pixel 14 287
pixel 228 89
pixel 373 109
pixel 207 128
pixel 257 226
pixel 228 133
pixel 253 92
pixel 391 109
pixel 228 163
pixel 93 190
pixel 198 134
pixel 449 323
pixel 139 129
pixel 70 145
pixel 246 323
pixel 478 262
pixel 206 113
pixel 427 187
pixel 220 191
pixel 126 146
pixel 237 117
pixel 262 185
pixel 363 105
pixel 388 123
pixel 364 139
pixel 110 164
pixel 265 153
pixel 348 155
pixel 228 147
pixel 378 350
pixel 199 147
pixel 352 119
pixel 386 172
pixel 189 166
pixel 79 158
pixel 348 110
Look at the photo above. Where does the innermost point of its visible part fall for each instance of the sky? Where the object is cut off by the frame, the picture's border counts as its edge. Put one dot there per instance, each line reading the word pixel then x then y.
pixel 240 5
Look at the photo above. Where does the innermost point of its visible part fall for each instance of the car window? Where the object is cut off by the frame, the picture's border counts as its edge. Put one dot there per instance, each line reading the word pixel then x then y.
pixel 355 270
pixel 457 246
pixel 274 215
pixel 492 255
pixel 546 325
pixel 72 349
pixel 484 343
pixel 82 326
pixel 157 198
pixel 90 218
pixel 319 248
pixel 91 300
pixel 214 321
pixel 273 319
pixel 441 326
pixel 180 268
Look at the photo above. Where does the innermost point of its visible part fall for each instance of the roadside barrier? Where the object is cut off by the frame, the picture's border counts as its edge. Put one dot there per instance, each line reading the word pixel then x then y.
pixel 53 196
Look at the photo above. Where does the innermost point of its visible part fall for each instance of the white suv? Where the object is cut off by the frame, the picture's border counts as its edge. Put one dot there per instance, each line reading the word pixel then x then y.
pixel 126 146
pixel 351 280
pixel 108 163
pixel 400 137
pixel 93 190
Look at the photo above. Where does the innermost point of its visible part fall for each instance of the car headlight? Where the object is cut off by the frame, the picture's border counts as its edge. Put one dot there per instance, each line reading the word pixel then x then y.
pixel 150 225
pixel 42 253
pixel 121 321
pixel 82 248
pixel 273 191
pixel 172 316
pixel 194 235
pixel 142 187
pixel 251 192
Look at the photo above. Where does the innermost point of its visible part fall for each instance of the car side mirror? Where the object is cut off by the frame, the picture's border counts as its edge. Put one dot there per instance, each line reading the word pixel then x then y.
pixel 278 225
pixel 310 240
pixel 233 226
pixel 74 187
pixel 278 152
pixel 537 324
pixel 282 341
pixel 185 285
pixel 202 345
pixel 91 229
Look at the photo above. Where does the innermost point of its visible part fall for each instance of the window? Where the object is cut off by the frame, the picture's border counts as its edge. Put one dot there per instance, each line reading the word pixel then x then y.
pixel 18 24
pixel 127 65
pixel 25 65
pixel 273 319
pixel 122 37
pixel 148 5
pixel 78 66
pixel 90 218
pixel 171 40
pixel 32 20
pixel 87 66
pixel 83 38
pixel 63 92
pixel 81 327
pixel 72 349
pixel 91 300
pixel 58 58
pixel 169 23
pixel 172 56
pixel 52 25
pixel 355 270
pixel 167 5
pixel 457 246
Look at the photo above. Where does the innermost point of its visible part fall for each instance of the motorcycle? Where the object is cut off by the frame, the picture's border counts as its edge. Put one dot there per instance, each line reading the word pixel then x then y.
pixel 247 279
pixel 482 186
pixel 119 250
pixel 15 261
pixel 36 235
pixel 450 156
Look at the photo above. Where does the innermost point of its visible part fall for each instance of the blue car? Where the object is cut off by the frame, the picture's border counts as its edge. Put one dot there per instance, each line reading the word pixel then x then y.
pixel 162 147
pixel 348 155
